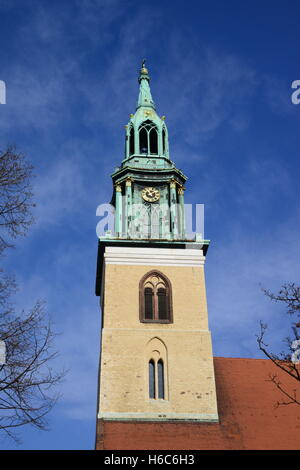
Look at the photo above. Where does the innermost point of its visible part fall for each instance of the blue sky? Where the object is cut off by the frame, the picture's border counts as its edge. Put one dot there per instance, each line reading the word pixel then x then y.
pixel 221 73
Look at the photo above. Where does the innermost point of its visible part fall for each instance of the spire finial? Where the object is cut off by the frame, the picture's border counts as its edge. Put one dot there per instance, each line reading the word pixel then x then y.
pixel 144 70
pixel 145 98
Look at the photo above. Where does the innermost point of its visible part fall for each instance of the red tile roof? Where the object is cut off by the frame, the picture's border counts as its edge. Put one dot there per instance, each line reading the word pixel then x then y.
pixel 249 418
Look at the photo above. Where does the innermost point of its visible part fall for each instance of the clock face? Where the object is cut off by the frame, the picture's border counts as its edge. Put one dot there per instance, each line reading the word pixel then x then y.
pixel 150 194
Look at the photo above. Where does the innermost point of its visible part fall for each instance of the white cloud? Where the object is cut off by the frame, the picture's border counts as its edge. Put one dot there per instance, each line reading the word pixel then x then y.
pixel 205 89
pixel 238 267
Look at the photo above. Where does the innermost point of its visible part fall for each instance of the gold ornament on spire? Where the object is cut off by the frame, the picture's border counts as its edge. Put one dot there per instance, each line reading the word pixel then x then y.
pixel 143 68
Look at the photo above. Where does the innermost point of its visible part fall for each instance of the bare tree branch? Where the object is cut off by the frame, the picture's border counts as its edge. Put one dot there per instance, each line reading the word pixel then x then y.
pixel 27 381
pixel 292 397
pixel 16 197
pixel 289 294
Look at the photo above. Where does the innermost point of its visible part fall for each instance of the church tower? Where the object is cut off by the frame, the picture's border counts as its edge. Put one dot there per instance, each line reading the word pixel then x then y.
pixel 156 359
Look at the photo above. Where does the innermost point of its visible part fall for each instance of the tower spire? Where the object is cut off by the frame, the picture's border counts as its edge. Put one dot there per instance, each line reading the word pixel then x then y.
pixel 145 98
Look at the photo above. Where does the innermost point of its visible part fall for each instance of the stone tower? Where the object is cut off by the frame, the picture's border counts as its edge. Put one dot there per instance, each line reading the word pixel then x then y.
pixel 156 355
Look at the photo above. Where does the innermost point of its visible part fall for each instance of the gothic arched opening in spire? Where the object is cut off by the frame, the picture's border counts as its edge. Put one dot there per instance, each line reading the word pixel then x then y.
pixel 148 138
pixel 153 141
pixel 131 141
pixel 164 141
pixel 143 135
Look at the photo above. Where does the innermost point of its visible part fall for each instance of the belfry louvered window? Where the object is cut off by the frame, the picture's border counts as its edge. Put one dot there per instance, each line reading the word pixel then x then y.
pixel 155 298
pixel 148 138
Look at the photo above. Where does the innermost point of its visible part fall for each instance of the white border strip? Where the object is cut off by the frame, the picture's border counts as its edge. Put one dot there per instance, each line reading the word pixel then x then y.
pixel 154 256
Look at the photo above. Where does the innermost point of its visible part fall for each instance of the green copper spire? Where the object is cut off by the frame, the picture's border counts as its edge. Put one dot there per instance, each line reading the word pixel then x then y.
pixel 145 99
pixel 147 143
pixel 148 188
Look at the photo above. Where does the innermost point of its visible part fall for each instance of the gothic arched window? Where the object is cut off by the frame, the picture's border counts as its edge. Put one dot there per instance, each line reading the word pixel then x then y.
pixel 148 138
pixel 143 140
pixel 153 140
pixel 151 379
pixel 164 141
pixel 131 141
pixel 160 379
pixel 155 298
pixel 156 379
pixel 148 299
pixel 157 369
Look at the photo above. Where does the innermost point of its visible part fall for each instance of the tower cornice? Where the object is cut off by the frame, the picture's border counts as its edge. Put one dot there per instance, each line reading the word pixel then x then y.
pixel 165 175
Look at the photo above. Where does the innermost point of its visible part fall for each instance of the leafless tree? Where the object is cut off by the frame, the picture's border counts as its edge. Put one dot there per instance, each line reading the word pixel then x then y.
pixel 288 360
pixel 27 377
pixel 16 197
